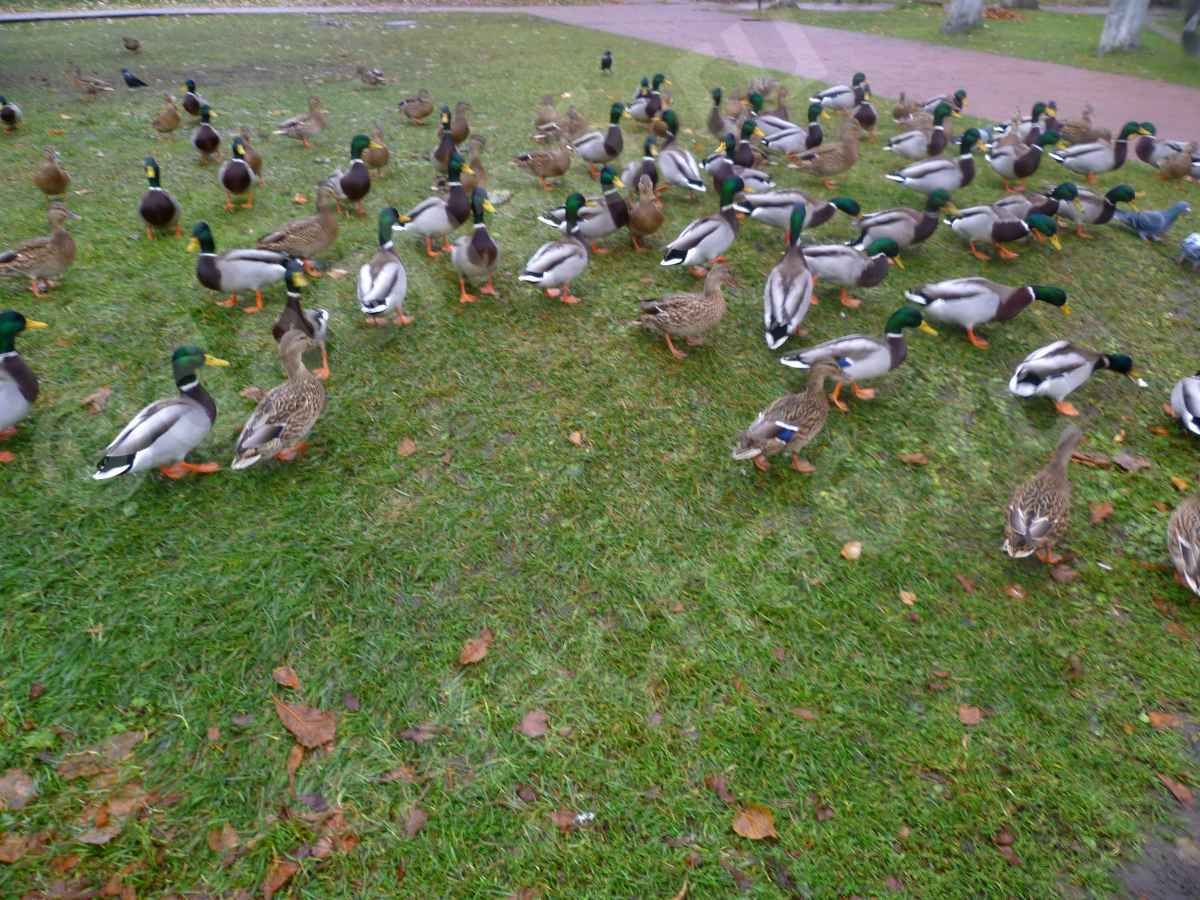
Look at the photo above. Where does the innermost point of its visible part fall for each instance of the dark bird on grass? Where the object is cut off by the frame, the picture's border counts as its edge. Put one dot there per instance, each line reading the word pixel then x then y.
pixel 132 80
pixel 606 62
pixel 1151 225
pixel 133 45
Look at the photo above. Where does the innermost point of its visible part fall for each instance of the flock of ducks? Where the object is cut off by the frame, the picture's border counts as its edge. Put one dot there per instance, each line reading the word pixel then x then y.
pixel 752 139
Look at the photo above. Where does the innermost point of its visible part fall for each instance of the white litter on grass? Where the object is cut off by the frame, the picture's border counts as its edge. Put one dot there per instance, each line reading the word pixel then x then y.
pixel 584 818
pixel 1141 382
pixel 1105 566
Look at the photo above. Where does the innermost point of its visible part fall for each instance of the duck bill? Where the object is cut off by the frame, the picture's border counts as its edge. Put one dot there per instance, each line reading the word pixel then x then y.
pixel 467 170
pixel 34 323
pixel 215 361
pixel 193 245
pixel 897 261
pixel 618 183
pixel 759 133
pixel 1078 204
pixel 927 328
pixel 1066 309
pixel 1055 242
pixel 487 206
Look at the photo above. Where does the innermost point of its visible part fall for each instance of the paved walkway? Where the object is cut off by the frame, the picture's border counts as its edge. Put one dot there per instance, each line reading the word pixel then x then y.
pixel 821 54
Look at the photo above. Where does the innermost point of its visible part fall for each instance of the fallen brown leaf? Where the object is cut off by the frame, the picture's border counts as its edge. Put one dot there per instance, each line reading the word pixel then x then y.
pixel 1016 592
pixel 966 583
pixel 534 723
pixel 1095 460
pixel 55 132
pixel 1159 430
pixel 717 784
pixel 892 883
pixel 1100 510
pixel 852 550
pixel 564 820
pixel 213 733
pixel 823 812
pixel 1160 506
pixel 1181 792
pixel 285 676
pixel 36 690
pixel 299 199
pixel 743 881
pixel 406 448
pixel 101 835
pixel 421 734
pixel 97 400
pixel 60 865
pixel 806 714
pixel 913 459
pixel 1180 484
pixel 476 648
pixel 1163 720
pixel 401 773
pixel 415 821
pixel 16 789
pixel 1009 854
pixel 12 847
pixel 969 715
pixel 1131 463
pixel 526 793
pixel 295 757
pixel 1063 573
pixel 312 727
pixel 755 822
pixel 280 874
pixel 908 598
pixel 1003 837
pixel 223 839
pixel 576 438
pixel 99 757
pixel 351 702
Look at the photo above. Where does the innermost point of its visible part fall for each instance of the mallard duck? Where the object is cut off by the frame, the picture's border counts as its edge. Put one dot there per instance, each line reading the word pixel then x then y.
pixel 163 434
pixel 831 159
pixel 18 384
pixel 596 220
pixel 1151 149
pixel 192 101
pixel 1059 368
pixel 1020 161
pixel 743 152
pixel 546 164
pixel 133 45
pixel 970 302
pixel 166 120
pixel 1029 127
pixel 643 89
pixel 947 174
pixel 376 154
pixel 88 85
pixel 849 267
pixel 478 175
pixel 706 239
pixel 50 177
pixel 10 114
pixel 904 109
pixel 1048 202
pixel 985 224
pixel 722 167
pixel 1185 402
pixel 353 184
pixel 287 413
pixel 842 96
pixel 573 124
pixel 923 143
pixel 252 157
pixel 790 423
pixel 597 148
pixel 901 224
pixel 383 281
pixel 43 258
pixel 1179 165
pixel 866 117
pixel 235 270
pixel 1183 542
pixel 779 116
pixel 460 129
pixel 643 109
pixel 158 209
pixel 417 108
pixel 861 358
pixel 312 323
pixel 773 123
pixel 718 124
pixel 677 166
pixel 687 315
pixel 205 138
pixel 774 208
pixel 307 237
pixel 237 177
pixel 1082 130
pixel 957 100
pixel 788 292
pixel 645 213
pixel 446 147
pixel 305 125
pixel 370 77
pixel 438 216
pixel 545 116
pixel 647 165
pixel 560 262
pixel 1040 510
pixel 1098 156
pixel 1092 209
pixel 475 255
pixel 800 137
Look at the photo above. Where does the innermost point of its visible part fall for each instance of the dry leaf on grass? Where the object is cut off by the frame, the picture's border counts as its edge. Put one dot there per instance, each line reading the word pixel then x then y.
pixel 213 733
pixel 16 789
pixel 415 821
pixel 1180 484
pixel 1095 460
pixel 101 756
pixel 969 715
pixel 12 847
pixel 223 839
pixel 406 448
pixel 576 438
pixel 299 199
pixel 806 714
pixel 527 793
pixel 534 723
pixel 97 400
pixel 295 757
pixel 908 598
pixel 312 727
pixel 476 648
pixel 717 784
pixel 421 734
pixel 564 819
pixel 913 459
pixel 285 676
pixel 1181 792
pixel 401 773
pixel 755 822
pixel 1099 511
pixel 1016 592
pixel 102 834
pixel 823 812
pixel 852 550
pixel 280 874
pixel 1163 720
pixel 1131 463
pixel 1063 573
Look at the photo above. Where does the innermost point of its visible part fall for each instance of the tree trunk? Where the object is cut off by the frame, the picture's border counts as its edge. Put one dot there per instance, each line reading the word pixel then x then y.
pixel 1191 29
pixel 964 15
pixel 1123 25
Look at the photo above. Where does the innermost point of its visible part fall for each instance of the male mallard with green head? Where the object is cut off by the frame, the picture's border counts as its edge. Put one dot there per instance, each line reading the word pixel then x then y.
pixel 842 96
pixel 158 209
pixel 18 384
pixel 706 239
pixel 1040 509
pixel 596 147
pixel 788 292
pixel 1017 162
pixel 971 302
pixel 849 267
pixel 558 263
pixel 237 177
pixel 1061 367
pixel 902 224
pixel 1098 156
pixel 235 270
pixel 475 255
pixel 437 217
pixel 987 225
pixel 1088 208
pixel 383 281
pixel 205 138
pixel 354 184
pixel 948 175
pixel 600 219
pixel 923 143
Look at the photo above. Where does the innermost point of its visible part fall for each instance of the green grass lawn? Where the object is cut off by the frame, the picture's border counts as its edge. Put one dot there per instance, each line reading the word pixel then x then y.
pixel 676 615
pixel 1046 36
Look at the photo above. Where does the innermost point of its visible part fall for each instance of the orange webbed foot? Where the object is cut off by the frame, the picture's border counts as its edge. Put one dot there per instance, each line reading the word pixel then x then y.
pixel 802 465
pixel 760 463
pixel 976 340
pixel 675 351
pixel 1065 409
pixel 862 393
